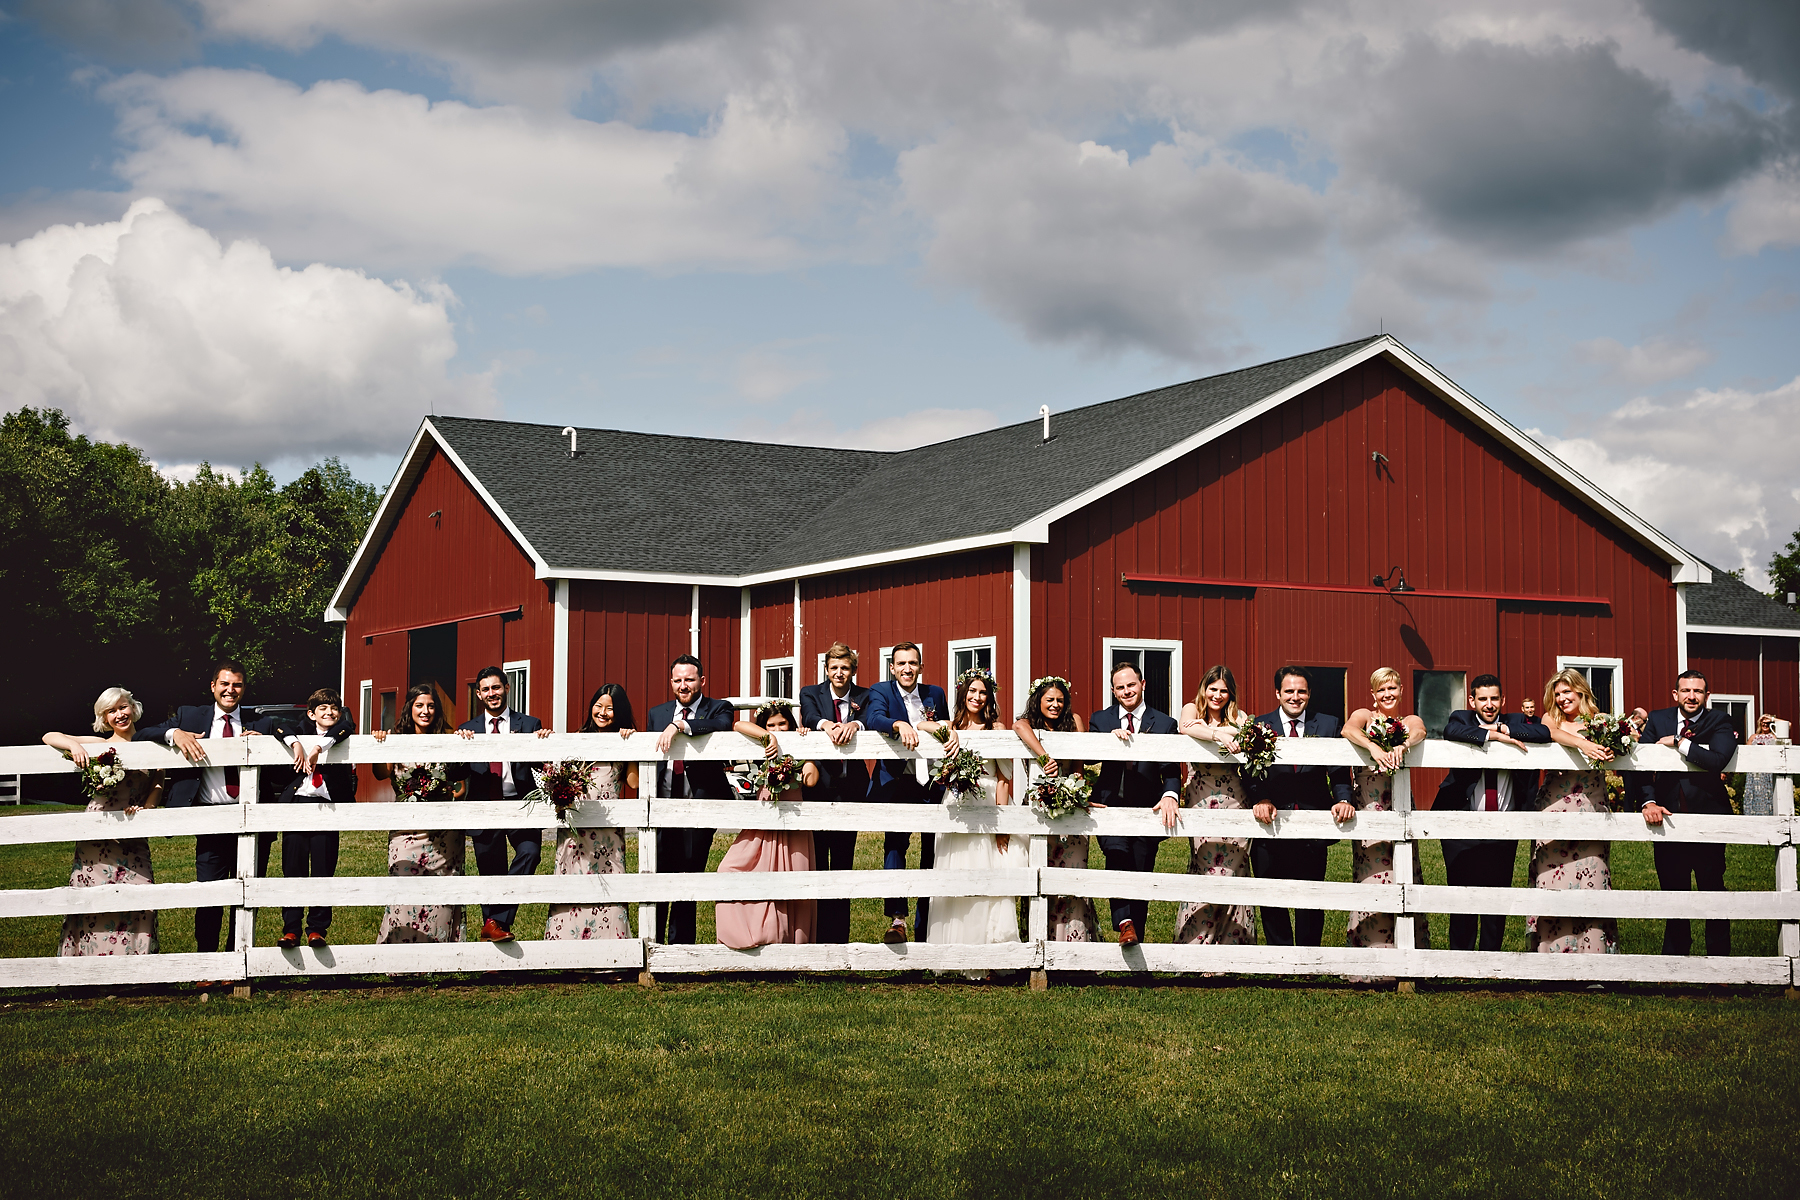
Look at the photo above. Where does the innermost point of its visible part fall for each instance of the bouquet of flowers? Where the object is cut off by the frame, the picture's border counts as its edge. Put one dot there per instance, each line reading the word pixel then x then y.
pixel 960 772
pixel 563 784
pixel 1256 746
pixel 1610 733
pixel 1060 795
pixel 1387 732
pixel 779 774
pixel 102 773
pixel 421 782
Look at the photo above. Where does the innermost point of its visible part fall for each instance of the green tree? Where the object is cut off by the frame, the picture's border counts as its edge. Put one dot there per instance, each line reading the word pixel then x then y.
pixel 1784 570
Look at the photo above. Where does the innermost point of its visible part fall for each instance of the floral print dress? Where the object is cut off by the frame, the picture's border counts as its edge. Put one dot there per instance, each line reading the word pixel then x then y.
pixel 114 860
pixel 1560 866
pixel 1069 918
pixel 591 852
pixel 1216 786
pixel 1373 862
pixel 423 852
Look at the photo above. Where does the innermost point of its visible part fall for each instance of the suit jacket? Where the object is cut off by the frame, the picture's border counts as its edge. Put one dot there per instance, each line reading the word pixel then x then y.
pixel 705 779
pixel 340 778
pixel 1303 787
pixel 1453 794
pixel 184 782
pixel 1715 741
pixel 887 706
pixel 1135 784
pixel 483 784
pixel 846 779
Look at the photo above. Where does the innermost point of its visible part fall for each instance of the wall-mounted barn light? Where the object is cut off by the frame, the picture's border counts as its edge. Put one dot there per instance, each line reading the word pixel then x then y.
pixel 1394 573
pixel 1378 458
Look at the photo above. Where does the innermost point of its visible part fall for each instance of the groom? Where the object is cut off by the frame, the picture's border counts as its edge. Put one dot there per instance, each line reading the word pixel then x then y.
pixel 1134 785
pixel 897 707
pixel 500 781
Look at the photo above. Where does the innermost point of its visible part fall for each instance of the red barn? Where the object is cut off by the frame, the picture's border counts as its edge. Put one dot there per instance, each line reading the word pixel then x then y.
pixel 1242 518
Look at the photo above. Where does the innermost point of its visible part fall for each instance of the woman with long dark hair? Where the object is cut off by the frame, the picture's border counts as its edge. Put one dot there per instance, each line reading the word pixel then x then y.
pixel 595 850
pixel 1050 706
pixel 421 852
pixel 1213 716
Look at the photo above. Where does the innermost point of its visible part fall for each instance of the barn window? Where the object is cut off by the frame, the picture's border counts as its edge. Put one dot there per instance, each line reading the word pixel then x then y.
pixel 518 685
pixel 1159 662
pixel 1437 694
pixel 1742 710
pixel 778 677
pixel 1605 675
pixel 390 705
pixel 968 653
pixel 365 705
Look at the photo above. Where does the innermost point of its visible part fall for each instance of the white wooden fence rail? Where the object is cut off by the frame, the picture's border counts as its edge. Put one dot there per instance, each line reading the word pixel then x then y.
pixel 1405 827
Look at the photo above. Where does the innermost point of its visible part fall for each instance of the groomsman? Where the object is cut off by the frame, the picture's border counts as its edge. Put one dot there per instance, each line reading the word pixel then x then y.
pixel 500 781
pixel 1485 862
pixel 1707 739
pixel 835 708
pixel 1134 785
pixel 690 714
pixel 1293 788
pixel 215 854
pixel 897 708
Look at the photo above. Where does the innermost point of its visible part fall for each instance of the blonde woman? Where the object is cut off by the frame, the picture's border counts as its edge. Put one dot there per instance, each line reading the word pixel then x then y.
pixel 1373 862
pixel 1561 866
pixel 1213 716
pixel 113 860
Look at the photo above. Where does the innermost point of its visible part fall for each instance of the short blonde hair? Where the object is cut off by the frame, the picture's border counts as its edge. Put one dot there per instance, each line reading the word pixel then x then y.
pixel 1587 707
pixel 109 700
pixel 1384 675
pixel 839 650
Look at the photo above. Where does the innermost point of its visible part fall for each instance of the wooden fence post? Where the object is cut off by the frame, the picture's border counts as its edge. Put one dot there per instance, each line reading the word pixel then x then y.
pixel 647 866
pixel 1405 935
pixel 1037 907
pixel 1788 943
pixel 243 925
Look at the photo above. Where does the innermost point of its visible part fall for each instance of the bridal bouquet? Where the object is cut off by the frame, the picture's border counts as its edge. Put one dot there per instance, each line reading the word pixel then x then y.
pixel 101 774
pixel 1387 732
pixel 563 784
pixel 779 774
pixel 1060 795
pixel 1610 733
pixel 421 782
pixel 1256 746
pixel 960 772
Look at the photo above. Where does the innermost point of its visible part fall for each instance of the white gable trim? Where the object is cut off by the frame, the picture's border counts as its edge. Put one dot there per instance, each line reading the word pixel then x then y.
pixel 1743 631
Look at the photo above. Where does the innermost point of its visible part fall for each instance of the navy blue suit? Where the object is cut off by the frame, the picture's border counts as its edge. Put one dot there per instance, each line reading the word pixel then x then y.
pixel 848 779
pixel 1483 862
pixel 1133 785
pixel 490 844
pixel 307 854
pixel 1295 788
pixel 687 849
pixel 895 782
pixel 1710 748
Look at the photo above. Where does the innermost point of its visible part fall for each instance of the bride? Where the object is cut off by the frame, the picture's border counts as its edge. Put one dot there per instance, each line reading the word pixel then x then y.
pixel 977 920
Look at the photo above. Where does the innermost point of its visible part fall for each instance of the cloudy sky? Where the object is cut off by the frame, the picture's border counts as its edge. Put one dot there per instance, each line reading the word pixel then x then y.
pixel 239 230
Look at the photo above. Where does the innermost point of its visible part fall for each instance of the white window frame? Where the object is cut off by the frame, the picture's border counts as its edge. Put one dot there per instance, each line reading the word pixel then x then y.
pixel 365 704
pixel 887 662
pixel 991 645
pixel 518 684
pixel 1749 703
pixel 1109 648
pixel 762 676
pixel 1564 661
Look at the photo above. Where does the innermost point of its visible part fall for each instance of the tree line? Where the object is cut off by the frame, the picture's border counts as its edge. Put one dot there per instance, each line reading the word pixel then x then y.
pixel 111 573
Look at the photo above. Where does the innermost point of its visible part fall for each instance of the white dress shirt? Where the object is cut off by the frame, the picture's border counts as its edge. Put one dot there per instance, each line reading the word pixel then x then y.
pixel 1288 722
pixel 1137 725
pixel 307 787
pixel 915 704
pixel 212 779
pixel 508 788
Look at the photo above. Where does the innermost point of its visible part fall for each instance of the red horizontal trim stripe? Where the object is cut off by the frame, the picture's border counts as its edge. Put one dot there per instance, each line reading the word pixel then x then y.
pixel 517 610
pixel 1196 581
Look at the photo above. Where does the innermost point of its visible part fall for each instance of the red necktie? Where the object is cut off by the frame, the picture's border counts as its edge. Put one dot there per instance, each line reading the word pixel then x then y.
pixel 231 773
pixel 1687 731
pixel 318 778
pixel 677 767
pixel 840 711
pixel 1490 784
pixel 1130 725
pixel 1293 726
pixel 497 768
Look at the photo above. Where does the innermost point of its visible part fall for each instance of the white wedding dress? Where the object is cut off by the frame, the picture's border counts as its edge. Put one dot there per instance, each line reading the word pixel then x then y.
pixel 976 920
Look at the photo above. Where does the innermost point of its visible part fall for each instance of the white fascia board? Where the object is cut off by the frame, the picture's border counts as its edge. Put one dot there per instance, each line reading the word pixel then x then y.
pixel 400 489
pixel 1743 631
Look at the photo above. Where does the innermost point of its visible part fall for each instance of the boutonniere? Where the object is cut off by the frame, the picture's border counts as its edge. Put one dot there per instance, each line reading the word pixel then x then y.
pixel 854 707
pixel 930 711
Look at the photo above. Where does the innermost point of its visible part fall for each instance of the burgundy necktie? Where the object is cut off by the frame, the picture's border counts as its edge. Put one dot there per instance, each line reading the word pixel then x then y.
pixel 842 717
pixel 1687 731
pixel 1293 726
pixel 1490 784
pixel 678 768
pixel 231 773
pixel 497 768
pixel 1130 725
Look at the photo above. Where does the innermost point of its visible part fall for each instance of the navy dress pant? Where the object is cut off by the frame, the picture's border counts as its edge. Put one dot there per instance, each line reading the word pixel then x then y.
pixel 490 859
pixel 1131 854
pixel 1281 858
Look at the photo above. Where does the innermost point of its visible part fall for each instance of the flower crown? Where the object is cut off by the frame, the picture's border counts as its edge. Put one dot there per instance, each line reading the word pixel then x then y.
pixel 974 673
pixel 1067 687
pixel 775 706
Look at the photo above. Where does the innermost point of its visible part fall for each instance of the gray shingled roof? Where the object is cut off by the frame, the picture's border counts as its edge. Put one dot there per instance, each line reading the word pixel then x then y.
pixel 620 506
pixel 1730 601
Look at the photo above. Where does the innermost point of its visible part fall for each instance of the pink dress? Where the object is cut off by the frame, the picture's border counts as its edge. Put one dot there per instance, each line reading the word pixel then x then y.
pixel 114 860
pixel 743 924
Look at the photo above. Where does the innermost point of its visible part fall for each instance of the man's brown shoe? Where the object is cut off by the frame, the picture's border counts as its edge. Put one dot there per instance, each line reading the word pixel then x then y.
pixel 896 931
pixel 1128 934
pixel 493 931
pixel 316 940
pixel 288 941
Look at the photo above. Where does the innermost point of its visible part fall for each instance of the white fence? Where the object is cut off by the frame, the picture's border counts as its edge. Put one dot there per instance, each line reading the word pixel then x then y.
pixel 1404 826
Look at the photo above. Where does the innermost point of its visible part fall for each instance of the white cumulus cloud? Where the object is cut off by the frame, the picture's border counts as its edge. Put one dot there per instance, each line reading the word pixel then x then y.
pixel 149 330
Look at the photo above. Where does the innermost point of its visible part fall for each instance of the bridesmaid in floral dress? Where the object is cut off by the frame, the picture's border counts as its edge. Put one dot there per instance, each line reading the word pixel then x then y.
pixel 749 923
pixel 1373 862
pixel 1213 716
pixel 113 860
pixel 1071 918
pixel 422 852
pixel 1559 866
pixel 596 851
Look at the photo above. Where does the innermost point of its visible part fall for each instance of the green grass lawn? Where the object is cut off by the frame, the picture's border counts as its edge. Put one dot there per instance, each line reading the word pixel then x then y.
pixel 364 853
pixel 847 1087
